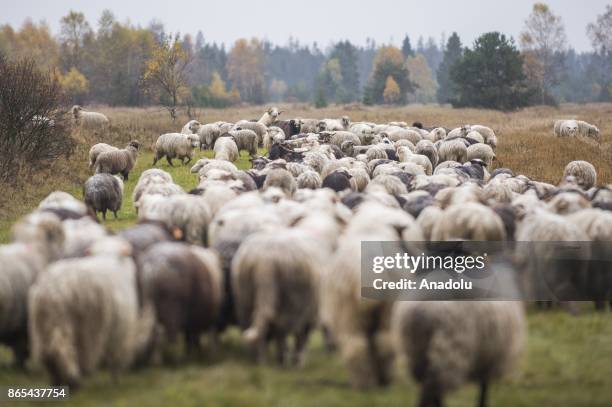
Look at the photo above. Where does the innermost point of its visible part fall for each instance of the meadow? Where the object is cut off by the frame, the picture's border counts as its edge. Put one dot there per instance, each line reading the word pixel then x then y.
pixel 569 357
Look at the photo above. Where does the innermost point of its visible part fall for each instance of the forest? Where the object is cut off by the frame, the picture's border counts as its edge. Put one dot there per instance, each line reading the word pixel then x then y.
pixel 120 64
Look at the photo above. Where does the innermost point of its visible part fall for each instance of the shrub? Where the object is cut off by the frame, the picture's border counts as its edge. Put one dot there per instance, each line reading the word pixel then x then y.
pixel 33 121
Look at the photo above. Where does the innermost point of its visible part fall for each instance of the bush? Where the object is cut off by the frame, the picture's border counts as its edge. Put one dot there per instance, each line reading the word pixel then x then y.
pixel 33 121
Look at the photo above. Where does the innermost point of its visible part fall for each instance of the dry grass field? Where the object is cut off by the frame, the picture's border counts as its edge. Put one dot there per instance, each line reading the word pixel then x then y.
pixel 569 358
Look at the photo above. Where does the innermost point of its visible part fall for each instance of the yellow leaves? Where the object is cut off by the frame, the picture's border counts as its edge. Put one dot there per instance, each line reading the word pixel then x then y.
pixel 388 54
pixel 217 86
pixel 31 41
pixel 245 67
pixel 422 76
pixel 74 83
pixel 391 94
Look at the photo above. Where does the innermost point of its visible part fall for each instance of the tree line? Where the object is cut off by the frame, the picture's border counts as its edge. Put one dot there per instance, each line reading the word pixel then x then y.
pixel 121 64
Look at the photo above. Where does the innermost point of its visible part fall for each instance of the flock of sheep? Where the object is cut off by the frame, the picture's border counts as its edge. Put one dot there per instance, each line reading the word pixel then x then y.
pixel 275 250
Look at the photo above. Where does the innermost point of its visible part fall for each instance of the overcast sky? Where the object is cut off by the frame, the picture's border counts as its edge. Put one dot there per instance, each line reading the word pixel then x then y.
pixel 323 21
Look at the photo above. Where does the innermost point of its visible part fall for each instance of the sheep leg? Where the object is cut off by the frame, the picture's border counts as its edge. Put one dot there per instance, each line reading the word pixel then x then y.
pixel 115 213
pixel 155 158
pixel 169 161
pixel 301 338
pixel 281 349
pixel 188 161
pixel 104 214
pixel 430 396
pixel 20 352
pixel 192 342
pixel 482 400
pixel 125 175
pixel 328 339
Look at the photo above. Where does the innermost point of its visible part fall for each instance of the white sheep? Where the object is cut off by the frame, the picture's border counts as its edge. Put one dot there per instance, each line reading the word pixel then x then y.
pixel 96 150
pixel 94 121
pixel 270 116
pixel 38 240
pixel 84 313
pixel 175 145
pixel 225 148
pixel 583 171
pixel 191 127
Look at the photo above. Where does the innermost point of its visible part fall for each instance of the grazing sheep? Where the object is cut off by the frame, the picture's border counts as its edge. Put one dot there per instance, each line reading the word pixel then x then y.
pixel 208 134
pixel 588 130
pixel 150 176
pixel 468 221
pixel 225 148
pixel 118 161
pixel 273 135
pixel 489 135
pixel 38 241
pixel 404 134
pixel 145 234
pixel 338 180
pixel 583 172
pixel 597 225
pixel 290 127
pixel 79 234
pixel 406 156
pixel 453 150
pixel 84 313
pixel 270 116
pixel 426 148
pixel 281 178
pixel 188 213
pixel 449 343
pixel 175 145
pixel 566 128
pixel 340 124
pixel 340 137
pixel 185 286
pixel 96 150
pixel 376 153
pixel 245 140
pixel 482 152
pixel 90 120
pixel 392 184
pixel 259 129
pixel 564 203
pixel 309 179
pixel 63 201
pixel 275 280
pixel 359 326
pixel 192 127
pixel 103 192
pixel 436 134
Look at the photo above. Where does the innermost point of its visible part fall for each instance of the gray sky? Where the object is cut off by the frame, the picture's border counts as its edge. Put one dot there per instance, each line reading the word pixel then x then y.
pixel 323 21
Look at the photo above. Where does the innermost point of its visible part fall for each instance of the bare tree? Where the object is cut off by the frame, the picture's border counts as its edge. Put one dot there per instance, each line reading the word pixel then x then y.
pixel 600 32
pixel 33 123
pixel 543 42
pixel 166 73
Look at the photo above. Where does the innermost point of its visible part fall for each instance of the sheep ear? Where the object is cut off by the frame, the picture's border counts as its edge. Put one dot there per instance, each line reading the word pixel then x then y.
pixel 280 111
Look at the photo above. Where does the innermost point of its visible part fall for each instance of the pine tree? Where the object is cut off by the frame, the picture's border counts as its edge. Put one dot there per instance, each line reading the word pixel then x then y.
pixel 452 53
pixel 491 75
pixel 407 50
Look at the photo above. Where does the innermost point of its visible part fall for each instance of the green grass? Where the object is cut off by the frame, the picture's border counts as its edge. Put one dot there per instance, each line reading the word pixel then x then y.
pixel 568 363
pixel 127 215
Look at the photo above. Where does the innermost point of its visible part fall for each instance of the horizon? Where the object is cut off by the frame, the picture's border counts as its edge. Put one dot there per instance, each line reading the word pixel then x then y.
pixel 280 28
